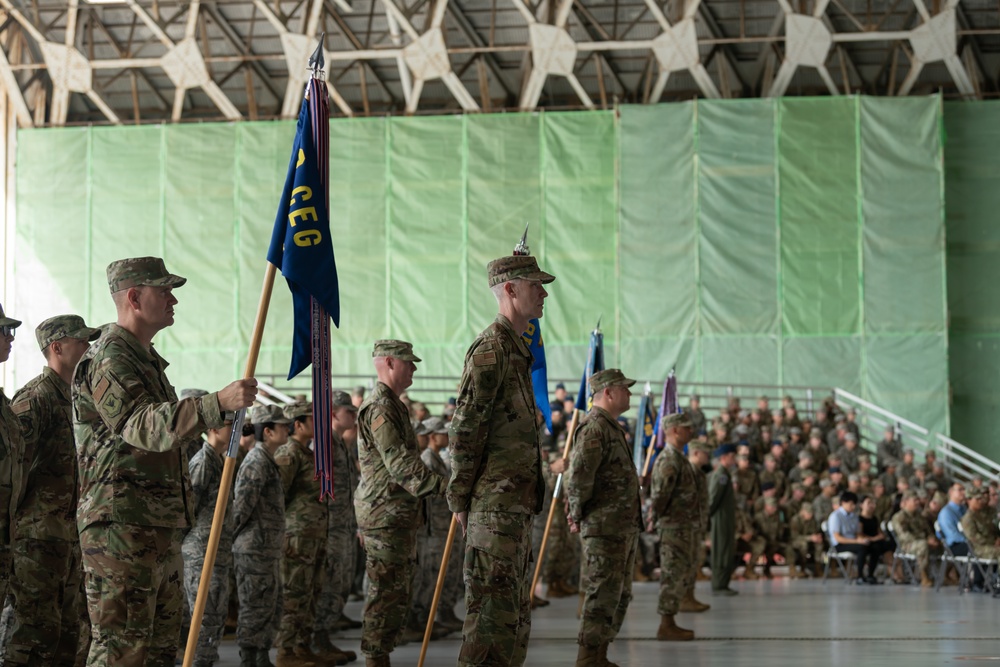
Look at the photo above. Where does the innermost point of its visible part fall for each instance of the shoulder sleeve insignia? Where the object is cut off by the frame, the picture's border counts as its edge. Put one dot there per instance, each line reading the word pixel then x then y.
pixel 20 407
pixel 100 389
pixel 283 460
pixel 377 422
pixel 484 359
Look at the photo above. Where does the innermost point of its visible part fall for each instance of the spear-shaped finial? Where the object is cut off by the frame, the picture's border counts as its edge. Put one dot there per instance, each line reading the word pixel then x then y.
pixel 316 60
pixel 598 327
pixel 522 246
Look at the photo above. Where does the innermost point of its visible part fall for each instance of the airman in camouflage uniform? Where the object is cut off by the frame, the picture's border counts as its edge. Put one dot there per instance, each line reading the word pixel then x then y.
pixel 806 542
pixel 206 477
pixel 496 471
pixel 306 522
pixel 915 535
pixel 48 582
pixel 677 517
pixel 698 457
pixel 388 505
pixel 258 533
pixel 602 493
pixel 134 503
pixel 771 529
pixel 342 529
pixel 980 526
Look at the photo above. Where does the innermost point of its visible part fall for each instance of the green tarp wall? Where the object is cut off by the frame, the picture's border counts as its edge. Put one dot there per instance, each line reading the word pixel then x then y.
pixel 798 241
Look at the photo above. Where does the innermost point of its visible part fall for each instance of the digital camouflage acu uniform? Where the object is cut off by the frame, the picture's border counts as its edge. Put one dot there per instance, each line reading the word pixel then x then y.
pixel 341 536
pixel 497 478
pixel 388 506
pixel 304 536
pixel 258 533
pixel 11 483
pixel 134 503
pixel 432 539
pixel 47 587
pixel 678 517
pixel 206 477
pixel 602 491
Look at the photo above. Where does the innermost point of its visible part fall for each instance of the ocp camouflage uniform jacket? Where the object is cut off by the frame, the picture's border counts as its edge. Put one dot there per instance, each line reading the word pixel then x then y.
pixel 11 454
pixel 47 510
pixel 801 530
pixel 701 481
pixel 495 449
pixel 770 526
pixel 393 478
pixel 259 506
pixel 981 531
pixel 910 528
pixel 129 429
pixel 601 483
pixel 438 514
pixel 206 477
pixel 676 500
pixel 345 481
pixel 305 514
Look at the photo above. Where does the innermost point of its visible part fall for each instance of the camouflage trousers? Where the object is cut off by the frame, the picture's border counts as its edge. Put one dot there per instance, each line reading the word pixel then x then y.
pixel 607 585
pixel 430 551
pixel 800 550
pixel 302 578
pixel 49 608
pixel 923 552
pixel 258 584
pixel 761 546
pixel 678 549
pixel 390 554
pixel 134 594
pixel 341 554
pixel 213 620
pixel 497 573
pixel 696 562
pixel 562 553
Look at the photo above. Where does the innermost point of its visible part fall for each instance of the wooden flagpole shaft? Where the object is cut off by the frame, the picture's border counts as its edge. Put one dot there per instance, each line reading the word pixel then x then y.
pixel 228 470
pixel 555 502
pixel 649 457
pixel 442 573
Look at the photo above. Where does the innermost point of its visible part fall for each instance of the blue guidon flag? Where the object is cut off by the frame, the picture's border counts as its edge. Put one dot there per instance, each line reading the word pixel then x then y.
pixel 539 375
pixel 595 363
pixel 302 249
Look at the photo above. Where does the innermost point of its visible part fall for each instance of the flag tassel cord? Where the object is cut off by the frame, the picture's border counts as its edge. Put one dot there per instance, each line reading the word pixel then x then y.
pixel 228 470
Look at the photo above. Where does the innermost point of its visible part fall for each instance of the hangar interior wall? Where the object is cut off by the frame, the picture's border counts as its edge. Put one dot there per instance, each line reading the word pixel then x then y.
pixel 794 241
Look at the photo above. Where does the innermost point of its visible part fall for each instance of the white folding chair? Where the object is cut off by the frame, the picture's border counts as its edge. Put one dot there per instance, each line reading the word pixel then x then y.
pixel 845 560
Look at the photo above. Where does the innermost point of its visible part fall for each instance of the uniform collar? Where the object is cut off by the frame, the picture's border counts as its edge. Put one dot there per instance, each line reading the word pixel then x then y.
pixel 606 416
pixel 263 449
pixel 148 355
pixel 61 385
pixel 518 341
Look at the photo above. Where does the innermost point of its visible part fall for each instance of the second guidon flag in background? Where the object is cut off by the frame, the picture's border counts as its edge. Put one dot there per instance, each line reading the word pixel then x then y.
pixel 595 363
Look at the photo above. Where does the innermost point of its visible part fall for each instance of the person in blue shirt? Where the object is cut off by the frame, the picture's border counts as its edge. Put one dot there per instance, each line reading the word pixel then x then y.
pixel 948 519
pixel 842 528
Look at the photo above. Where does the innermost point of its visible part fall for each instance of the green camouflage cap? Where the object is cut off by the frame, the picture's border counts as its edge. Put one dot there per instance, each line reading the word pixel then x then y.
pixel 8 321
pixel 972 492
pixel 513 267
pixel 193 393
pixel 266 414
pixel 397 349
pixel 64 326
pixel 341 399
pixel 771 502
pixel 141 272
pixel 298 409
pixel 678 420
pixel 908 494
pixel 609 377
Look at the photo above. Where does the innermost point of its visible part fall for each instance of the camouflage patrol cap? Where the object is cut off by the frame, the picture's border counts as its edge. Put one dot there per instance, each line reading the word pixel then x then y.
pixel 679 420
pixel 64 326
pixel 609 377
pixel 397 349
pixel 268 414
pixel 513 267
pixel 8 321
pixel 973 492
pixel 193 393
pixel 298 409
pixel 770 502
pixel 909 494
pixel 141 272
pixel 435 425
pixel 850 437
pixel 341 399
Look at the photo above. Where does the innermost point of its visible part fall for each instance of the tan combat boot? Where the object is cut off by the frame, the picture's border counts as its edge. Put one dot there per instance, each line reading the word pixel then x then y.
pixel 669 632
pixel 602 656
pixel 298 657
pixel 377 660
pixel 587 656
pixel 330 654
pixel 689 603
pixel 925 581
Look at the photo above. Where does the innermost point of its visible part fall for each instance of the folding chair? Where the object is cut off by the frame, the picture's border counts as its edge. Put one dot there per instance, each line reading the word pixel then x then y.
pixel 961 564
pixel 845 560
pixel 984 566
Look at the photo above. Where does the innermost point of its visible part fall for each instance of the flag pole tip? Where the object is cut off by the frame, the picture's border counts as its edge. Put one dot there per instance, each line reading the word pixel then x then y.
pixel 316 60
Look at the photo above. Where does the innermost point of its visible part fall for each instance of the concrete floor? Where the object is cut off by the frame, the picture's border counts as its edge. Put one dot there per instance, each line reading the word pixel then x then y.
pixel 773 623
